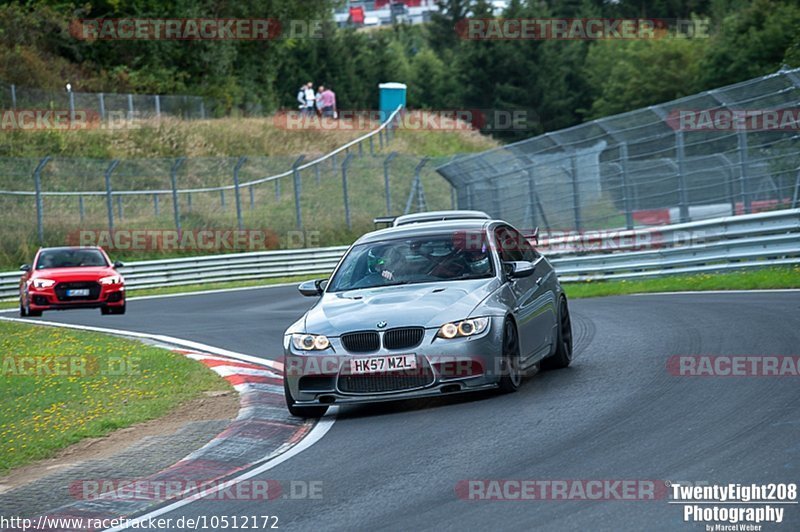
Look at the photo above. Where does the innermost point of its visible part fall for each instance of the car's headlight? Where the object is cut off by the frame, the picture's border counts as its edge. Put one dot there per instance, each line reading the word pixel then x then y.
pixel 310 342
pixel 43 283
pixel 463 328
pixel 112 279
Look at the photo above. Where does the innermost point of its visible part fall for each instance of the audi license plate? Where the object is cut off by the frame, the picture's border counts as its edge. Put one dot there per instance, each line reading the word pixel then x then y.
pixel 78 292
pixel 359 366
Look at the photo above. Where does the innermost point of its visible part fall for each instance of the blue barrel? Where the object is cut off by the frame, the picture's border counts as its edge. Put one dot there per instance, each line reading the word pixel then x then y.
pixel 392 96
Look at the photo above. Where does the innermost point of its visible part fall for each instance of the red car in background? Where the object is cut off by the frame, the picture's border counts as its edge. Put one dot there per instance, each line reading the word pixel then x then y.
pixel 71 277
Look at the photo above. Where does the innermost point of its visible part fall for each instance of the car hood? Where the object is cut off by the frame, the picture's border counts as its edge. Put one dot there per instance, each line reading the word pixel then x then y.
pixel 425 304
pixel 82 273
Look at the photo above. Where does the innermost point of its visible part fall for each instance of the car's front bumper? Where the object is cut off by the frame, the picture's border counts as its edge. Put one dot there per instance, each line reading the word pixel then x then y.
pixel 443 367
pixel 47 299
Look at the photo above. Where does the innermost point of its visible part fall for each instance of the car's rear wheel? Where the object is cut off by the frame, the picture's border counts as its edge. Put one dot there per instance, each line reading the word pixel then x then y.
pixel 563 355
pixel 511 372
pixel 301 411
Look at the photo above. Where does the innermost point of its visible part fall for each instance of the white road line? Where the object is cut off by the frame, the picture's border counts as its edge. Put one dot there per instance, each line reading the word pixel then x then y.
pixel 755 291
pixel 269 461
pixel 316 434
pixel 198 293
pixel 180 342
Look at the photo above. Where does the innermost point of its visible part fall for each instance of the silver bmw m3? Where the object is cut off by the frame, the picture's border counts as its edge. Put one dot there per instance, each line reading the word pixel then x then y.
pixel 439 303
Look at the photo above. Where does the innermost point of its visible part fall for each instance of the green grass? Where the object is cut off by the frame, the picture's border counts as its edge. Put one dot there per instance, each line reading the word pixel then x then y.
pixel 111 383
pixel 766 278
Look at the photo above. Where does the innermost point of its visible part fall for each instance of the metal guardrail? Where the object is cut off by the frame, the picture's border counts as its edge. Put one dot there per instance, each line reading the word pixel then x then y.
pixel 736 242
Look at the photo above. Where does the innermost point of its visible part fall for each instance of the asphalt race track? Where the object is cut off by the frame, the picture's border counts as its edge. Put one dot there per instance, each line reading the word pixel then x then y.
pixel 617 413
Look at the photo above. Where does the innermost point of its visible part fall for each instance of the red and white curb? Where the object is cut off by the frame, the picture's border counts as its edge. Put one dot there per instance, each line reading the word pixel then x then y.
pixel 262 436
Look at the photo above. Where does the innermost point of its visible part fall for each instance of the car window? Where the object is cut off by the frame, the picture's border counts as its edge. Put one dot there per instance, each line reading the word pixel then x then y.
pixel 513 246
pixel 453 256
pixel 69 258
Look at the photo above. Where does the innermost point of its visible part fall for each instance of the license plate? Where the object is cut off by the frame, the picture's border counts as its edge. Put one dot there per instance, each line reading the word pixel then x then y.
pixel 77 292
pixel 360 366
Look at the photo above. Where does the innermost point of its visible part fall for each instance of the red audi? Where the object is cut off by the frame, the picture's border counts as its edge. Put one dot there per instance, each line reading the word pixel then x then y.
pixel 71 277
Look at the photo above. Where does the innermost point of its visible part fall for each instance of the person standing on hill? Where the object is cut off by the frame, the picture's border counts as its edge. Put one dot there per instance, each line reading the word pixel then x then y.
pixel 310 98
pixel 328 103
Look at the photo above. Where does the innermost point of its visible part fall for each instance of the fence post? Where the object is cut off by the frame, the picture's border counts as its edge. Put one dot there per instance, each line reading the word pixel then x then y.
pixel 202 110
pixel 176 208
pixel 236 169
pixel 744 163
pixel 158 105
pixel 297 190
pixel 81 208
pixel 372 144
pixel 576 199
pixel 222 198
pixel 130 106
pixel 453 197
pixel 626 193
pixel 416 189
pixel 109 198
pixel 316 172
pixel 796 195
pixel 155 204
pixel 682 192
pixel 387 190
pixel 101 101
pixel 71 107
pixel 251 188
pixel 361 149
pixel 345 163
pixel 37 181
pixel 532 197
pixel 13 96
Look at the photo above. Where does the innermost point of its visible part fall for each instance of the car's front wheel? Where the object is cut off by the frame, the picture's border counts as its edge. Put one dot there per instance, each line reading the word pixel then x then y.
pixel 112 310
pixel 563 355
pixel 301 411
pixel 511 371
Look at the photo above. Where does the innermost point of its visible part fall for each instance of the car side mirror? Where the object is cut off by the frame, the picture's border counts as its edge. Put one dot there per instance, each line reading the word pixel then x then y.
pixel 25 268
pixel 520 268
pixel 313 288
pixel 118 264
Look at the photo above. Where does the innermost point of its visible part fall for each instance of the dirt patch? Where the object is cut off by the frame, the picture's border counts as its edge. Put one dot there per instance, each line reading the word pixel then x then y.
pixel 212 406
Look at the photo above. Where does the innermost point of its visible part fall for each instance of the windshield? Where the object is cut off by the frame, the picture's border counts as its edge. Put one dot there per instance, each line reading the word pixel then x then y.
pixel 70 258
pixel 434 258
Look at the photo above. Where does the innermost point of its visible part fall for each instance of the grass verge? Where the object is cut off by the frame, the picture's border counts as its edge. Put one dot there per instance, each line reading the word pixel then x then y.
pixel 60 386
pixel 788 277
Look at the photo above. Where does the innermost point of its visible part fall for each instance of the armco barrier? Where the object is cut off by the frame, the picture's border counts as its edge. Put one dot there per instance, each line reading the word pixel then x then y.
pixel 736 242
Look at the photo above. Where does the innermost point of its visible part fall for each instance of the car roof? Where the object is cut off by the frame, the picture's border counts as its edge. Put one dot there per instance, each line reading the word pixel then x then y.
pixel 426 228
pixel 436 216
pixel 62 248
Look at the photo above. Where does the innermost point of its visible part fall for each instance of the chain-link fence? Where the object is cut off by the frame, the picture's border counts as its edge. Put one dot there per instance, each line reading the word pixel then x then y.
pixel 107 105
pixel 328 201
pixel 727 151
